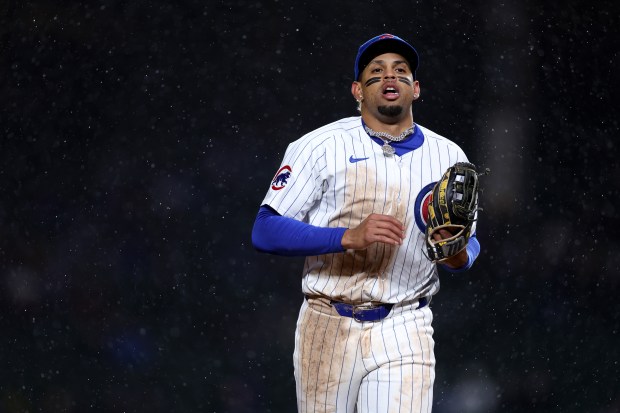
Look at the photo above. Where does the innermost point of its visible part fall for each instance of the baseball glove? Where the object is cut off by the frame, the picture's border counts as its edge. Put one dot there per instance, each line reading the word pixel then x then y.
pixel 452 206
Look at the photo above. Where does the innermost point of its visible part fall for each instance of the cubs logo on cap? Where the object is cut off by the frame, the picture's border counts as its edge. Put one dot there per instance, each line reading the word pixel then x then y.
pixel 385 43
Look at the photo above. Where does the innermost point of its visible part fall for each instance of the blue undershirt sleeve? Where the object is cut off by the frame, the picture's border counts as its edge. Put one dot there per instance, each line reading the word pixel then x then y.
pixel 473 250
pixel 275 234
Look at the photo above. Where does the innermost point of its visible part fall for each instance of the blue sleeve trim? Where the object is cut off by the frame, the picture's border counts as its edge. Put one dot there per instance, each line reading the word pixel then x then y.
pixel 275 234
pixel 473 250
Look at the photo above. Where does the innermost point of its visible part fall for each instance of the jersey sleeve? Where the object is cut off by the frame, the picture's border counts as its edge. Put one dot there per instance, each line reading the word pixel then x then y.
pixel 297 185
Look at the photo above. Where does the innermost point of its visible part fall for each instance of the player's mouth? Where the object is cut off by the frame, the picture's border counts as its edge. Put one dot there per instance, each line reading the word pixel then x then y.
pixel 391 92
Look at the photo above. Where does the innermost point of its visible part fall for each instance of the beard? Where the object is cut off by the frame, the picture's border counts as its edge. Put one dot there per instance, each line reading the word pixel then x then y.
pixel 390 111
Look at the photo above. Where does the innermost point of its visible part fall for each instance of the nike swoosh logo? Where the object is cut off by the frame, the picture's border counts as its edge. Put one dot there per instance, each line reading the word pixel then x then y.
pixel 353 160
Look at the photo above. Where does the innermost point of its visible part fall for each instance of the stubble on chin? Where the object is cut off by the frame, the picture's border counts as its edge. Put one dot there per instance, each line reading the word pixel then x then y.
pixel 390 111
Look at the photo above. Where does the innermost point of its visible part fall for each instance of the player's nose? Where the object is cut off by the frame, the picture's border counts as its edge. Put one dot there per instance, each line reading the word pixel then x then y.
pixel 389 74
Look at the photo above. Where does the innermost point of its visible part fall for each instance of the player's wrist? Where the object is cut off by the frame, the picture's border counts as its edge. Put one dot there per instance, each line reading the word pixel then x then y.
pixel 459 260
pixel 346 240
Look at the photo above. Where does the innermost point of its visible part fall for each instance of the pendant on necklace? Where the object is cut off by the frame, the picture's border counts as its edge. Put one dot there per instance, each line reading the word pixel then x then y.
pixel 388 150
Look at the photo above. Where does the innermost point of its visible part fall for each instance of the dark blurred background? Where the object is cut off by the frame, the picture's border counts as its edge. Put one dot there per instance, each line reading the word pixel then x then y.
pixel 138 140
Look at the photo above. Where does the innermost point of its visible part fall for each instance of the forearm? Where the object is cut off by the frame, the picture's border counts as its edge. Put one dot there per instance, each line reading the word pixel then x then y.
pixel 275 234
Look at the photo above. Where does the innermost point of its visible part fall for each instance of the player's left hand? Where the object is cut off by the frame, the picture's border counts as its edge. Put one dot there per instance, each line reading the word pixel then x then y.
pixel 442 233
pixel 451 214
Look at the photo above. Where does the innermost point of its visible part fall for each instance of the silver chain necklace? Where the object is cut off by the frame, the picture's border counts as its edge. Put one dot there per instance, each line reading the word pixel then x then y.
pixel 388 150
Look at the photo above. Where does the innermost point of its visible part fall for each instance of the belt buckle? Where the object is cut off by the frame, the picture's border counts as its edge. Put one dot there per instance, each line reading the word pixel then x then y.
pixel 359 309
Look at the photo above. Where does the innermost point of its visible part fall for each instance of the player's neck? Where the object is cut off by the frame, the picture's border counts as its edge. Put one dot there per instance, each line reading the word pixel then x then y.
pixel 393 129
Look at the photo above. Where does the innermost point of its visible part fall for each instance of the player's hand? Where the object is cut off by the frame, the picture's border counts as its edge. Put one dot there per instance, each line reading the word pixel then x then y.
pixel 375 228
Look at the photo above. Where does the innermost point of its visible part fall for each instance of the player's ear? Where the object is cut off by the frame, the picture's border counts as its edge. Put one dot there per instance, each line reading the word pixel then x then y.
pixel 356 91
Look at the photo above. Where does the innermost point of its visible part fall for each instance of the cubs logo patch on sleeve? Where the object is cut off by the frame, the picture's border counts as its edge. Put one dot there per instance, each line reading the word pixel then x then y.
pixel 280 180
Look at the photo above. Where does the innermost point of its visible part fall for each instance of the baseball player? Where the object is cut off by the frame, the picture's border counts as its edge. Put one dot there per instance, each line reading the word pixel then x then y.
pixel 352 196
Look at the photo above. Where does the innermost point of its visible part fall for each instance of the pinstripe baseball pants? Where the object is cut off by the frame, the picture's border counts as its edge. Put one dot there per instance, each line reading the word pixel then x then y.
pixel 345 366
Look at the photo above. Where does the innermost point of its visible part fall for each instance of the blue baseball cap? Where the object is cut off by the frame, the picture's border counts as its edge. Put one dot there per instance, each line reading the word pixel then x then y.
pixel 385 43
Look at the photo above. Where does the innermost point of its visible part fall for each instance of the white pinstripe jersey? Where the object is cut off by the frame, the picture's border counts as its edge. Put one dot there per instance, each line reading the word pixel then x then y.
pixel 336 176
